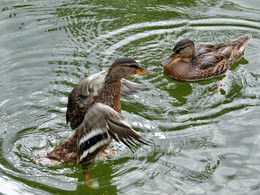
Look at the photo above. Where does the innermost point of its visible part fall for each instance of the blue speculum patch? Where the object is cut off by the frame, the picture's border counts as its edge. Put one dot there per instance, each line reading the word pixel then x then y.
pixel 92 141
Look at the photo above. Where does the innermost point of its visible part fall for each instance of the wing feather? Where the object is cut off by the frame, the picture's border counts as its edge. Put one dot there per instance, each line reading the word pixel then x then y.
pixel 102 124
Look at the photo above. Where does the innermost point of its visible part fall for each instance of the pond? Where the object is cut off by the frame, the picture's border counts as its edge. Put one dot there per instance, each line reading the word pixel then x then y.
pixel 205 141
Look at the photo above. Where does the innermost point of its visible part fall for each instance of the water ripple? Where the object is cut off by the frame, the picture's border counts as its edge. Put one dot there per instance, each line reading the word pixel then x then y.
pixel 204 140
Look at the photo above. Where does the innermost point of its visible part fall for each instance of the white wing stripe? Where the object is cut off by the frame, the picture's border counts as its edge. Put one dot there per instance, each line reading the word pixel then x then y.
pixel 94 147
pixel 90 135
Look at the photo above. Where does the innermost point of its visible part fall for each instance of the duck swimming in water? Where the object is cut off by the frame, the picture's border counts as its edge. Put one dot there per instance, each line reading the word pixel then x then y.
pixel 190 63
pixel 97 118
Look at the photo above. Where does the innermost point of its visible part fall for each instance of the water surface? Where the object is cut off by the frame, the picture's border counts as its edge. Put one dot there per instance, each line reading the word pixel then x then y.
pixel 205 141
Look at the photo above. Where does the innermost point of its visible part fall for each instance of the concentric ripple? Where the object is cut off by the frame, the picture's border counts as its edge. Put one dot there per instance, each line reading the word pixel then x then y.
pixel 204 140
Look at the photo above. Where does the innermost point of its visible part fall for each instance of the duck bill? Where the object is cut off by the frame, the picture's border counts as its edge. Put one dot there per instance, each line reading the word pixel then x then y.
pixel 168 60
pixel 143 71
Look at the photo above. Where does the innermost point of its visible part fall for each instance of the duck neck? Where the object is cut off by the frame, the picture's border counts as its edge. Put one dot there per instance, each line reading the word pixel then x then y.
pixel 110 93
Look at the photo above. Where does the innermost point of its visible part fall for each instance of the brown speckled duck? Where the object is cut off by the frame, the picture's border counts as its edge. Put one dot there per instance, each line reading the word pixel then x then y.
pixel 97 118
pixel 190 63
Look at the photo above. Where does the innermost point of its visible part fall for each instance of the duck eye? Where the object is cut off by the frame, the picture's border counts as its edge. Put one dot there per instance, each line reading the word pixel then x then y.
pixel 177 51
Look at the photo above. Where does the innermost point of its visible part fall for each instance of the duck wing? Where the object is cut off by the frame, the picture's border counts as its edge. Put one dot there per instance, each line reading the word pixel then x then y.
pixel 211 64
pixel 231 51
pixel 91 85
pixel 208 60
pixel 204 49
pixel 102 124
pixel 77 107
pixel 81 98
pixel 129 87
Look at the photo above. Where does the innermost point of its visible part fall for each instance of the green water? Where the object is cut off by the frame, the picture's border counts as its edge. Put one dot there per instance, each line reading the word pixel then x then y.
pixel 205 141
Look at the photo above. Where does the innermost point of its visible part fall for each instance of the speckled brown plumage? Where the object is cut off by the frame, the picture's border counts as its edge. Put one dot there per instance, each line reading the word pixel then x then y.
pixel 190 63
pixel 97 119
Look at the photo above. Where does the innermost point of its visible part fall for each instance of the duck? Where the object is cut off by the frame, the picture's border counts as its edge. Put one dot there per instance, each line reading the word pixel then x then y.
pixel 194 63
pixel 96 116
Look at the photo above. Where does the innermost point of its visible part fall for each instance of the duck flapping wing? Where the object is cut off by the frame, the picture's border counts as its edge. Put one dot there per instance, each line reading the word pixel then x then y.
pixel 102 124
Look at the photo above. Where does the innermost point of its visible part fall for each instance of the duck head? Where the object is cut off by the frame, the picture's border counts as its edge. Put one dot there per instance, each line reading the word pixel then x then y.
pixel 124 67
pixel 183 49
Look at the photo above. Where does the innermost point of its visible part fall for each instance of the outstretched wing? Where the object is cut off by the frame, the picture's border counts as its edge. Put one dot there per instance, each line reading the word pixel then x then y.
pixel 129 87
pixel 121 131
pixel 90 86
pixel 100 125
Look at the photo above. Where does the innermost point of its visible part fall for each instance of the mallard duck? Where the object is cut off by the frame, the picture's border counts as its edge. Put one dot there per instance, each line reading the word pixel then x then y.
pixel 190 63
pixel 98 118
